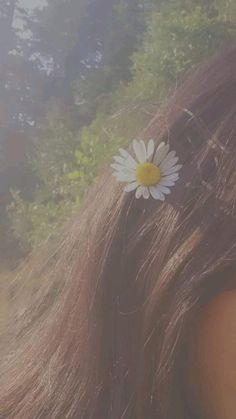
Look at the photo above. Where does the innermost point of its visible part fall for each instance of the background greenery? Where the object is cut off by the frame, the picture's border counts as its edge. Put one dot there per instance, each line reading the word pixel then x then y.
pixel 87 111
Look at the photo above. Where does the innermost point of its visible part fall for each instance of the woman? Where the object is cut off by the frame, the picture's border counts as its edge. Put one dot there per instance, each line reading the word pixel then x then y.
pixel 139 329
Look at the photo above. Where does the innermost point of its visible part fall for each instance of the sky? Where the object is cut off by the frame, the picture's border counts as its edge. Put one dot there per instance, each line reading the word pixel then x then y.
pixel 31 4
pixel 19 23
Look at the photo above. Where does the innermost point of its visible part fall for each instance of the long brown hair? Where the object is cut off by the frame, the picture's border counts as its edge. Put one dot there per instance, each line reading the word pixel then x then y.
pixel 135 274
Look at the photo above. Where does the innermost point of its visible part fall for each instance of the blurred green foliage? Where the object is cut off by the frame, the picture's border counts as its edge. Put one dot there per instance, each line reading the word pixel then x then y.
pixel 179 34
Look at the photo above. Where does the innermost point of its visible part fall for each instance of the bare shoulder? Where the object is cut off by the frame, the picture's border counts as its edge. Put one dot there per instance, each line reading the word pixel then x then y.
pixel 214 356
pixel 216 334
pixel 218 319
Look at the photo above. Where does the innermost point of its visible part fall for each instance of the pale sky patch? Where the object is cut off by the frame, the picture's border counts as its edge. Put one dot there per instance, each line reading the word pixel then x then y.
pixel 32 4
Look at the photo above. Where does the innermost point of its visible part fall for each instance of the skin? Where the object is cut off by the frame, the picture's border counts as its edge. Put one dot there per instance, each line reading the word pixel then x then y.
pixel 213 358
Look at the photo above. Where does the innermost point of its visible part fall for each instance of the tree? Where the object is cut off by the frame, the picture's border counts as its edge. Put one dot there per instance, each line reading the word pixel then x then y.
pixel 179 34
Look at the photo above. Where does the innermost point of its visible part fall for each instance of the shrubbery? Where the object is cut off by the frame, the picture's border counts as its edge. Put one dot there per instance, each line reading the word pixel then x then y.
pixel 179 34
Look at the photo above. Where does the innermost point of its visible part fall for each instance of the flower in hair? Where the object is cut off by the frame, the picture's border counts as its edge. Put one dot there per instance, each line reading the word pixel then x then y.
pixel 152 173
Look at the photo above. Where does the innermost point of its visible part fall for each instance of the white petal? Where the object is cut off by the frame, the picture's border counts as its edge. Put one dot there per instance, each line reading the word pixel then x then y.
pixel 123 177
pixel 173 177
pixel 120 168
pixel 119 159
pixel 140 151
pixel 139 192
pixel 166 182
pixel 146 192
pixel 172 170
pixel 124 153
pixel 164 189
pixel 160 146
pixel 156 193
pixel 167 163
pixel 131 186
pixel 116 175
pixel 144 151
pixel 150 149
pixel 161 153
pixel 128 160
pixel 171 154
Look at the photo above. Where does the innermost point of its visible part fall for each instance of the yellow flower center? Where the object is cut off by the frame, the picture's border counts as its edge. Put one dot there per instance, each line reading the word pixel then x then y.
pixel 147 174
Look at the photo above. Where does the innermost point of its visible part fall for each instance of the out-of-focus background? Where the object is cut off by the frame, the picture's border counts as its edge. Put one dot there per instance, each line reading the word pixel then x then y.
pixel 77 79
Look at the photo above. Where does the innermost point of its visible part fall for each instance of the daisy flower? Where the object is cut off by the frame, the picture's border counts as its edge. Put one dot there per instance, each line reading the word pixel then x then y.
pixel 151 173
